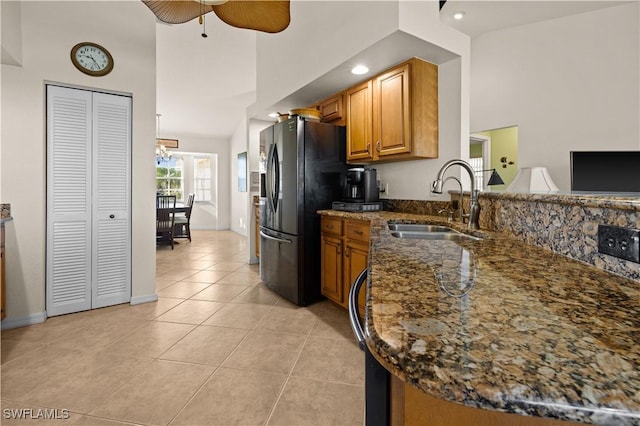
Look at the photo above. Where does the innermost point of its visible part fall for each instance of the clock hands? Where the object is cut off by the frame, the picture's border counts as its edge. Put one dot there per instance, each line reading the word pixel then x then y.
pixel 93 59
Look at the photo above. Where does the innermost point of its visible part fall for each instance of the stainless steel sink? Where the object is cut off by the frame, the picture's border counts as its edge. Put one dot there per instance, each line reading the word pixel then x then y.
pixel 419 227
pixel 441 236
pixel 425 231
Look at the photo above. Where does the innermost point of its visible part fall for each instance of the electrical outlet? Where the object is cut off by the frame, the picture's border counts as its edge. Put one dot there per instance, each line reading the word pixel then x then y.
pixel 619 242
pixel 386 189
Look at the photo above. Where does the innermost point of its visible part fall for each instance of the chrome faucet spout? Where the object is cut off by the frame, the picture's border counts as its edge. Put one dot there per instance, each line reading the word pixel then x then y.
pixel 474 209
pixel 460 204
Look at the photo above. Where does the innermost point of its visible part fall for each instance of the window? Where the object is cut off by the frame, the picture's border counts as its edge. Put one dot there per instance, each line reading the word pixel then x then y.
pixel 169 178
pixel 202 178
pixel 478 165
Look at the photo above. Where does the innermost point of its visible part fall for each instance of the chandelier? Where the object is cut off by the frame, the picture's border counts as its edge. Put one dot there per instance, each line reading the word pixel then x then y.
pixel 162 154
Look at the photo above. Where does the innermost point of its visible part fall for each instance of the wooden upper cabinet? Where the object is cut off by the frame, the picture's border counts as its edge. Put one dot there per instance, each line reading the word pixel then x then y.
pixel 392 112
pixel 331 110
pixel 358 109
pixel 395 115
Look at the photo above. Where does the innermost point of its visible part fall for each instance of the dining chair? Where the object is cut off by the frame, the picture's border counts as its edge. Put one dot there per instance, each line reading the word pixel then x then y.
pixel 182 226
pixel 165 202
pixel 164 225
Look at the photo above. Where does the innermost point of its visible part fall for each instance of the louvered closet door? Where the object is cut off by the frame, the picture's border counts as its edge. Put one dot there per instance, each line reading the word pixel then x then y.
pixel 68 200
pixel 111 265
pixel 88 200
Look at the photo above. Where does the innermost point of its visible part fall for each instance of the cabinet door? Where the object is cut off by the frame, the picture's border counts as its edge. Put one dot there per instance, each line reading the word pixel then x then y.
pixel 331 275
pixel 359 125
pixel 331 109
pixel 391 112
pixel 2 275
pixel 356 258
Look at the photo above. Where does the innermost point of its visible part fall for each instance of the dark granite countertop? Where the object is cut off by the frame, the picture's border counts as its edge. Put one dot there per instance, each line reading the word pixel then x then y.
pixel 502 325
pixel 619 201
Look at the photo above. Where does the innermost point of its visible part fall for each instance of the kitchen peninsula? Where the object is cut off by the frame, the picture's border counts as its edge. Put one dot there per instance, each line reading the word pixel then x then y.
pixel 502 325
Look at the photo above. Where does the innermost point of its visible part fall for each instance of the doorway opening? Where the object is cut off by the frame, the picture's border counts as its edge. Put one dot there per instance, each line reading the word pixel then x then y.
pixel 498 149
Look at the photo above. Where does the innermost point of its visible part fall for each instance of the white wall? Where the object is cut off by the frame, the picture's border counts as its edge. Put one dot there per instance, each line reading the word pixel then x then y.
pixel 412 179
pixel 206 216
pixel 255 127
pixel 240 201
pixel 11 12
pixel 245 138
pixel 568 84
pixel 49 30
pixel 321 35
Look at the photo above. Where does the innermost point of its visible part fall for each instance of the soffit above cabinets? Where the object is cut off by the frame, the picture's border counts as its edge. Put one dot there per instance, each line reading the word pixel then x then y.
pixel 391 50
pixel 481 17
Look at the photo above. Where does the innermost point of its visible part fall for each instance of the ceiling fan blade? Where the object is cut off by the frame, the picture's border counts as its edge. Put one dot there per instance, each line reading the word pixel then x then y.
pixel 269 16
pixel 177 11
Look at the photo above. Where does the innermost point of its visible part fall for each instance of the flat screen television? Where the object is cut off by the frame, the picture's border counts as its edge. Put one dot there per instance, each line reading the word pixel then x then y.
pixel 605 171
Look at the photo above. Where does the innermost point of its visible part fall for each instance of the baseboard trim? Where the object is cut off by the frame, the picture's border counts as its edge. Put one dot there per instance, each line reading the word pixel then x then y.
pixel 37 318
pixel 208 228
pixel 138 300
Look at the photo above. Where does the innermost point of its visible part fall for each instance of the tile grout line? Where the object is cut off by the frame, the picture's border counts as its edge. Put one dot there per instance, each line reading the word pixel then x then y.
pixel 195 393
pixel 293 366
pixel 216 368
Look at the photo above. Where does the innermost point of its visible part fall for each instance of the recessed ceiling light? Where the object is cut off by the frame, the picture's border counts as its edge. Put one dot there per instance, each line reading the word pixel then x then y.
pixel 458 16
pixel 359 69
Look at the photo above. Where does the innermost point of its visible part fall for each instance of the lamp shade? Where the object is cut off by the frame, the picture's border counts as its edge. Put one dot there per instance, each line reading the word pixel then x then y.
pixel 495 178
pixel 532 179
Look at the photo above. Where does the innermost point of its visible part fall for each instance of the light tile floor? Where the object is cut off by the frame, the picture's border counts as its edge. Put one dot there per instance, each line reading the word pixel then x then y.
pixel 218 348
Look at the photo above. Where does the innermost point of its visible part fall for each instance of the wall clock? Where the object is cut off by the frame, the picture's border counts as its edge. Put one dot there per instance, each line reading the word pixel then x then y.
pixel 92 59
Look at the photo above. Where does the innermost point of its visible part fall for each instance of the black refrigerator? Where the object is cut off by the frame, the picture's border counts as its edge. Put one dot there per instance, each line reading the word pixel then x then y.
pixel 306 162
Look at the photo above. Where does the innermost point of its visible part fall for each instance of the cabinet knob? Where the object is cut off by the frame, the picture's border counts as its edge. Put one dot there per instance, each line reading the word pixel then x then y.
pixel 368 147
pixel 112 216
pixel 378 146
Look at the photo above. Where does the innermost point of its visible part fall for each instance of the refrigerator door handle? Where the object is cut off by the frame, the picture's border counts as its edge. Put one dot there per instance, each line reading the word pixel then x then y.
pixel 273 178
pixel 269 237
pixel 269 179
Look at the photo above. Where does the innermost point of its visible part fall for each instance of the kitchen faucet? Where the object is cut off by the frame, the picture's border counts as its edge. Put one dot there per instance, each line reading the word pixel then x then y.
pixel 460 204
pixel 474 209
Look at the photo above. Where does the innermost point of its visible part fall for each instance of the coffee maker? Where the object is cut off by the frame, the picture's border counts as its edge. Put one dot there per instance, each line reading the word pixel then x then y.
pixel 360 191
pixel 361 185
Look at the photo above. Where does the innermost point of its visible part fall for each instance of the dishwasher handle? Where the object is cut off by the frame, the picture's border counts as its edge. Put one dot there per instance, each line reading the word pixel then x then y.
pixel 354 318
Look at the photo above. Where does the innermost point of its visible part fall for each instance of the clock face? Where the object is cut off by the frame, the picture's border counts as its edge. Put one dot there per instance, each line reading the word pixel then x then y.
pixel 92 59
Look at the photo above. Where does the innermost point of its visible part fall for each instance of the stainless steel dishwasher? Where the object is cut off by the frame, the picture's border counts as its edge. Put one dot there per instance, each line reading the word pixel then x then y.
pixel 377 379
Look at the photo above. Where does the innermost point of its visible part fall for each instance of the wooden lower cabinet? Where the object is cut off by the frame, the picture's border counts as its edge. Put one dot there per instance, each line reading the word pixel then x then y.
pixel 331 252
pixel 2 274
pixel 345 253
pixel 411 406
